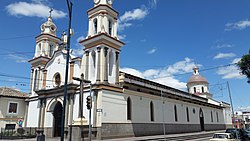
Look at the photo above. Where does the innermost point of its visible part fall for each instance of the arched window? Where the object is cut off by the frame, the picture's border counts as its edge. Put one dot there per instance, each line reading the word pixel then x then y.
pixel 129 109
pixel 51 50
pixel 187 114
pixel 175 113
pixel 57 79
pixel 93 58
pixel 212 120
pixel 38 50
pixel 217 116
pixel 202 89
pixel 111 62
pixel 194 89
pixel 95 26
pixel 151 111
pixel 110 27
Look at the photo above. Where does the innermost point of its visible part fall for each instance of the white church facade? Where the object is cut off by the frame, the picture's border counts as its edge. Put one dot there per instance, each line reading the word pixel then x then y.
pixel 122 104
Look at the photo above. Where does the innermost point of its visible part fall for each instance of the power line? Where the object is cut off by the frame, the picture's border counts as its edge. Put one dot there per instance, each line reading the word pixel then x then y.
pixel 17 37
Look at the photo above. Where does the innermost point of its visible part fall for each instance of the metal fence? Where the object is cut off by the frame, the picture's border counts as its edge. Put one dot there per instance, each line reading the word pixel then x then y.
pixel 18 133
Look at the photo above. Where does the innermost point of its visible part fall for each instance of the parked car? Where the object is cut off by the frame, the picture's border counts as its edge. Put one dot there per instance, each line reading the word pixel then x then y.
pixel 237 133
pixel 223 137
pixel 247 134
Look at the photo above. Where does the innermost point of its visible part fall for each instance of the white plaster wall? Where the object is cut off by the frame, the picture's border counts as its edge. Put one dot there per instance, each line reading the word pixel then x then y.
pixel 56 65
pixel 4 103
pixel 76 107
pixel 33 113
pixel 48 119
pixel 114 107
pixel 115 110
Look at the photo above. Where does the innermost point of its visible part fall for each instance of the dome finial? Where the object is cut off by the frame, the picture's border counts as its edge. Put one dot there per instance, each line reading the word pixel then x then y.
pixel 50 12
pixel 196 70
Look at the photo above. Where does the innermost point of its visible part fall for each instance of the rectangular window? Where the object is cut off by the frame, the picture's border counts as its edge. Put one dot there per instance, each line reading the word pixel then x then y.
pixel 13 108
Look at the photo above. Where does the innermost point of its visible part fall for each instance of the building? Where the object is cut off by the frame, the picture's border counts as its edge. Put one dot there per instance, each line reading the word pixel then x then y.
pixel 12 108
pixel 123 104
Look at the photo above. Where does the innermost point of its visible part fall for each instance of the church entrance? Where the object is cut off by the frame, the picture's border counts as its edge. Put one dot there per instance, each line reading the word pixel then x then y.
pixel 201 120
pixel 57 113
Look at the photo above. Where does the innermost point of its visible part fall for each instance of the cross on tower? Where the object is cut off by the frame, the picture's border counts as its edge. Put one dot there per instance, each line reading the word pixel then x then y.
pixel 50 11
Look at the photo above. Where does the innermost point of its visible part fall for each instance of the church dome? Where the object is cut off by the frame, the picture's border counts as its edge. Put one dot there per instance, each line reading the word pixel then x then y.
pixel 196 77
pixel 49 27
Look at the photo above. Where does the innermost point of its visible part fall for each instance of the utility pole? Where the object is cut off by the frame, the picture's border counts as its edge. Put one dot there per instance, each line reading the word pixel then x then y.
pixel 69 4
pixel 82 82
pixel 231 107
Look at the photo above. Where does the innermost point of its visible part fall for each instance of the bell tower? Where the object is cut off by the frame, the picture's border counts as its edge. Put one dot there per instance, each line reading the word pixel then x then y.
pixel 46 44
pixel 102 46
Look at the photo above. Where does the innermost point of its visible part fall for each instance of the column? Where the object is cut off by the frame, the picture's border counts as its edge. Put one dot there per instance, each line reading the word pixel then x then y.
pixel 71 74
pixel 87 66
pixel 44 79
pixel 99 23
pixel 26 114
pixel 115 29
pixel 105 66
pixel 31 79
pixel 40 114
pixel 71 106
pixel 38 79
pixel 43 112
pixel 90 27
pixel 105 23
pixel 98 65
pixel 117 65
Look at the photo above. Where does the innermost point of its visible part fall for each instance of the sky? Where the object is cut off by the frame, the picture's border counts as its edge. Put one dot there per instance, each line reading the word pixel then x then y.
pixel 164 40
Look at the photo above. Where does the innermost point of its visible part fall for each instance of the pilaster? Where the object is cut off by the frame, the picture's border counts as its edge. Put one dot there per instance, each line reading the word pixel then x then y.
pixel 87 65
pixel 98 65
pixel 105 65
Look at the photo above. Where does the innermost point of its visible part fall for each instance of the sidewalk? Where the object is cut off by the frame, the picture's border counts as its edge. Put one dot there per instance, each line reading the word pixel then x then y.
pixel 135 138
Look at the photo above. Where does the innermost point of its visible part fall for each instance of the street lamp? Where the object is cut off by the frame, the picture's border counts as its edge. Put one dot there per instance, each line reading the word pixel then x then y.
pixel 69 4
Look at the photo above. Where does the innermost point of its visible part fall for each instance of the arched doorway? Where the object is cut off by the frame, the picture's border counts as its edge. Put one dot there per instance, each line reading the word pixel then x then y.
pixel 201 120
pixel 57 113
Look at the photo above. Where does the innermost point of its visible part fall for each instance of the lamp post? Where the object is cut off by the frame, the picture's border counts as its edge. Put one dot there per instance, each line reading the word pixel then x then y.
pixel 82 82
pixel 69 4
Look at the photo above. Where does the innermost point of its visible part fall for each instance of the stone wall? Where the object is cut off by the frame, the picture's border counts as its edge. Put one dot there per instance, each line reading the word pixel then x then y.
pixel 114 130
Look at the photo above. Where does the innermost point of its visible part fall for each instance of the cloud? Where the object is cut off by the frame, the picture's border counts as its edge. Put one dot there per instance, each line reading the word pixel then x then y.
pixel 152 3
pixel 34 9
pixel 78 50
pixel 224 46
pixel 17 58
pixel 230 72
pixel 152 51
pixel 224 55
pixel 128 16
pixel 122 37
pixel 240 25
pixel 165 75
pixel 135 14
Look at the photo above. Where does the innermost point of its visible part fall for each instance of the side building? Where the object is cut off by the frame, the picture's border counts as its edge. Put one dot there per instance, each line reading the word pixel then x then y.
pixel 122 104
pixel 12 108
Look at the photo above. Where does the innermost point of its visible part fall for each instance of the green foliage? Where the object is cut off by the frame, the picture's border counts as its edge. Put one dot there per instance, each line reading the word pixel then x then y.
pixel 244 65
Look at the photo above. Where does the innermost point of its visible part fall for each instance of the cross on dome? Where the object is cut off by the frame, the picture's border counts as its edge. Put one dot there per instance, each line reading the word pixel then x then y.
pixel 50 12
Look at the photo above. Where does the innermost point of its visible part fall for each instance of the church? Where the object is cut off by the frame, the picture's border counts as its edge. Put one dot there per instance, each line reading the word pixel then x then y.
pixel 123 105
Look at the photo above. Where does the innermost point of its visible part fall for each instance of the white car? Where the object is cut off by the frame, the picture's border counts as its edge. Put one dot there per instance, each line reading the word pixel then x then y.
pixel 223 137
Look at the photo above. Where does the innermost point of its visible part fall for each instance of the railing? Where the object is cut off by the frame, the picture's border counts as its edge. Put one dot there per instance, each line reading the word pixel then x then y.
pixel 18 133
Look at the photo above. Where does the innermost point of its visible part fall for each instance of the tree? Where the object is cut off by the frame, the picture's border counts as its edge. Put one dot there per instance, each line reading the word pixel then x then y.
pixel 244 65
